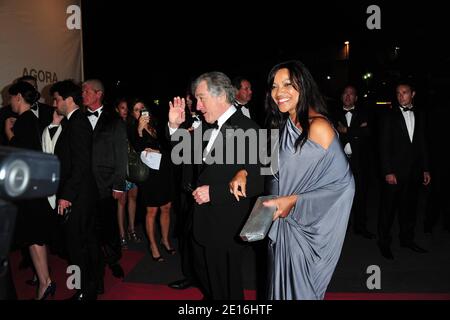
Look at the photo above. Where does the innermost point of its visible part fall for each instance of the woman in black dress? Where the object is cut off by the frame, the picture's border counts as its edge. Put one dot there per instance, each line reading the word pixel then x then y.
pixel 34 220
pixel 156 191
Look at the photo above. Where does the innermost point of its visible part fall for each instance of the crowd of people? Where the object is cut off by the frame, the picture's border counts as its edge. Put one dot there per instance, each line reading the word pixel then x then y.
pixel 320 187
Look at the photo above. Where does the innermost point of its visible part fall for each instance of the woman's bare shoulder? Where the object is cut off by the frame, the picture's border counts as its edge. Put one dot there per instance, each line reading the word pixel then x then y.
pixel 321 131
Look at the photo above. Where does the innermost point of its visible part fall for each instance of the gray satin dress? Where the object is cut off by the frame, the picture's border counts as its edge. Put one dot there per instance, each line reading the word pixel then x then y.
pixel 304 247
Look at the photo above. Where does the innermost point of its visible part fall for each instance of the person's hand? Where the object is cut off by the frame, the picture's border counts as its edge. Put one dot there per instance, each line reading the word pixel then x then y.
pixel 63 204
pixel 238 184
pixel 57 118
pixel 391 179
pixel 363 125
pixel 284 205
pixel 147 150
pixel 201 194
pixel 426 178
pixel 9 125
pixel 177 113
pixel 341 128
pixel 143 122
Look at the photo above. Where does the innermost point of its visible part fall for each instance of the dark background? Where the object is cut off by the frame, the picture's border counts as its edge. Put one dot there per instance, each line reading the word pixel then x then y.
pixel 154 49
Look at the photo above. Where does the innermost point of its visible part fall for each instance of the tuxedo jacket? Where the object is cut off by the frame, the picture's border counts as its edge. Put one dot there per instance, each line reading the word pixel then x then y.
pixel 357 136
pixel 110 153
pixel 217 224
pixel 74 151
pixel 399 155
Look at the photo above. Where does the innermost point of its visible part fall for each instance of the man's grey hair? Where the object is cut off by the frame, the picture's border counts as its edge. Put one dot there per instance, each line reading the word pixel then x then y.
pixel 96 84
pixel 218 83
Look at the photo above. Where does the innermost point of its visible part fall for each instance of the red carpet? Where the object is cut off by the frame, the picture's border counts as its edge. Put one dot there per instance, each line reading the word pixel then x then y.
pixel 116 289
pixel 58 273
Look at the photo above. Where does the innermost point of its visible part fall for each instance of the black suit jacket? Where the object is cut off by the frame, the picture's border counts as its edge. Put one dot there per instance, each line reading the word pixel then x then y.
pixel 109 156
pixel 399 155
pixel 218 223
pixel 74 151
pixel 357 133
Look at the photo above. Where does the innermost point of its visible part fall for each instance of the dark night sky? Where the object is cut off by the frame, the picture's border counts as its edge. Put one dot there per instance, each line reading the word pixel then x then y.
pixel 155 49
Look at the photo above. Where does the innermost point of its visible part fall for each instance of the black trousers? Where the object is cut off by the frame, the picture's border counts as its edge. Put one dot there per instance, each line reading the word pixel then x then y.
pixel 401 198
pixel 358 213
pixel 107 232
pixel 183 231
pixel 219 271
pixel 82 247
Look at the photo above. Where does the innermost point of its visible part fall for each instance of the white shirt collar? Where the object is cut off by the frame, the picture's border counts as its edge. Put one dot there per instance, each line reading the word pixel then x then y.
pixel 99 110
pixel 226 115
pixel 70 114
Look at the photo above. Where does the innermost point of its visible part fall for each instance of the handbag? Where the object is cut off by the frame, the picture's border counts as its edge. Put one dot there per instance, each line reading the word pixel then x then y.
pixel 137 171
pixel 259 221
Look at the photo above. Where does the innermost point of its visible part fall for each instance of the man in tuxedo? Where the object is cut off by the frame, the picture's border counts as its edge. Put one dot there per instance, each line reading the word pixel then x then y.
pixel 109 164
pixel 77 190
pixel 352 124
pixel 404 164
pixel 217 215
pixel 243 95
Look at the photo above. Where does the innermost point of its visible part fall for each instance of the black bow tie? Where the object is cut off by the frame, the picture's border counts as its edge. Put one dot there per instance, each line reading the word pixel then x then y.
pixel 404 109
pixel 238 105
pixel 95 114
pixel 34 106
pixel 349 110
pixel 214 125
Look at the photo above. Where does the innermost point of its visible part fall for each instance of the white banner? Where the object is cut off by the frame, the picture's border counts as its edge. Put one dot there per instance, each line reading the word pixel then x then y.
pixel 41 38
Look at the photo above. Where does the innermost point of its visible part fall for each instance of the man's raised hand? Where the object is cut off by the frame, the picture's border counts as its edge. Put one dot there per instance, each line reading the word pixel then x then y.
pixel 176 112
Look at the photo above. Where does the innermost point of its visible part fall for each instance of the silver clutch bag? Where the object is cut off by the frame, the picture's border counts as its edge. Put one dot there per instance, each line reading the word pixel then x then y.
pixel 259 221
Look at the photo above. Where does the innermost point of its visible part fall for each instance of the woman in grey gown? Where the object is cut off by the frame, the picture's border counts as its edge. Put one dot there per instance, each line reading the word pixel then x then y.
pixel 314 185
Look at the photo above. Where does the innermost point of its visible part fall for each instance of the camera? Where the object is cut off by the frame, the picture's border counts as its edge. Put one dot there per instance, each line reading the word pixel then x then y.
pixel 27 174
pixel 24 174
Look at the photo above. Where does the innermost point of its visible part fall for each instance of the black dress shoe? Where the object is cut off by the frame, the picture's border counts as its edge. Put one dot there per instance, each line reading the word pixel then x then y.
pixel 117 270
pixel 181 284
pixel 365 234
pixel 414 247
pixel 386 251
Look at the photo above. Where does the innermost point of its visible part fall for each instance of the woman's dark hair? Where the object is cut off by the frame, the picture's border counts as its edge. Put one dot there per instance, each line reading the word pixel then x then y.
pixel 310 97
pixel 132 102
pixel 67 88
pixel 26 90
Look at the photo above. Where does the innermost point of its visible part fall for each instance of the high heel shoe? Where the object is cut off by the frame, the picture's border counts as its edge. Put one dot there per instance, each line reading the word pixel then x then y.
pixel 170 251
pixel 158 259
pixel 50 291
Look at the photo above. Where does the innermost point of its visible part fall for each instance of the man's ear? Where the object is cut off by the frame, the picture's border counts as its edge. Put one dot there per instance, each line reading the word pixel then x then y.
pixel 413 94
pixel 69 101
pixel 356 98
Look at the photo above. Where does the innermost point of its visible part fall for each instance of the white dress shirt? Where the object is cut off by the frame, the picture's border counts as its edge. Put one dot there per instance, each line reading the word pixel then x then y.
pixel 348 117
pixel 409 120
pixel 93 119
pixel 215 132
